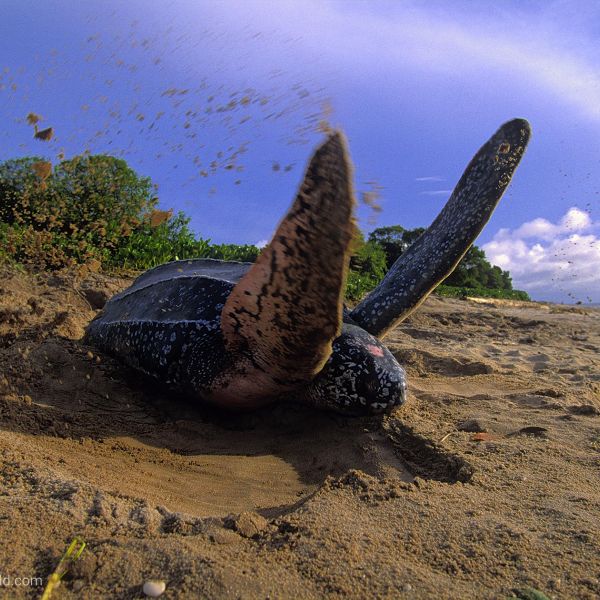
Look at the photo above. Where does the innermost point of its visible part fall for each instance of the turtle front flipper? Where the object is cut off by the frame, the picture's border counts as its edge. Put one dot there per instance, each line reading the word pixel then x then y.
pixel 437 252
pixel 284 314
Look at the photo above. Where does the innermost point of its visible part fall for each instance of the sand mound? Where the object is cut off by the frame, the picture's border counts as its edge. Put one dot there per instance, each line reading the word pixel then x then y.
pixel 287 502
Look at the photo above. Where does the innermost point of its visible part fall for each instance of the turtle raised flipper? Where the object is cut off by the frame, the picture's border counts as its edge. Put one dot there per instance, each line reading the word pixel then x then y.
pixel 286 311
pixel 437 252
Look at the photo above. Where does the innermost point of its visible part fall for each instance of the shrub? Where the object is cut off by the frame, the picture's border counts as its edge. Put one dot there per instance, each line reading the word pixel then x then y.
pixel 473 270
pixel 369 259
pixel 479 292
pixel 367 267
pixel 97 208
pixel 84 209
pixel 243 253
pixel 394 240
pixel 94 207
pixel 150 245
pixel 358 285
pixel 17 179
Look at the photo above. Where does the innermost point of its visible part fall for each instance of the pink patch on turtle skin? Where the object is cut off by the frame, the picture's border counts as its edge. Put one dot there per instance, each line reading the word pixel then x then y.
pixel 374 350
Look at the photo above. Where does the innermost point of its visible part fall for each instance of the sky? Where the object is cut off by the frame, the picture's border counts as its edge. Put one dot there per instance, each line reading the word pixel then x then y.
pixel 221 103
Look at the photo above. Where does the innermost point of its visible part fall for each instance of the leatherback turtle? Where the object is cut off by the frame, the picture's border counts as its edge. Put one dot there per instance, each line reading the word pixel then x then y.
pixel 241 335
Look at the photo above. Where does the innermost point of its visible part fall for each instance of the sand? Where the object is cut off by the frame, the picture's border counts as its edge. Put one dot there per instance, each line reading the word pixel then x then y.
pixel 289 503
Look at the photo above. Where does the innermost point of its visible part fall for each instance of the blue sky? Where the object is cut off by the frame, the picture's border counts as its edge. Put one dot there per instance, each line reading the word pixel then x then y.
pixel 219 102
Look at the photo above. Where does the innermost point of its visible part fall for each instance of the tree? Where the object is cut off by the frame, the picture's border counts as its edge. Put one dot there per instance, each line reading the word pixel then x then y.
pixel 102 196
pixel 473 271
pixel 368 258
pixel 394 240
pixel 83 209
pixel 368 266
pixel 17 177
pixel 94 207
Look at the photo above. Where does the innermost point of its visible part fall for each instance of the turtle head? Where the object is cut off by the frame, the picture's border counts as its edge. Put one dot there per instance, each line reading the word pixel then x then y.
pixel 361 377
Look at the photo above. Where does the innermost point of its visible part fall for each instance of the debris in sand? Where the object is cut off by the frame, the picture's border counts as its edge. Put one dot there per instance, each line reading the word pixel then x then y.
pixel 472 425
pixel 541 432
pixel 484 437
pixel 529 593
pixel 250 524
pixel 72 554
pixel 154 588
pixel 584 409
pixel 221 536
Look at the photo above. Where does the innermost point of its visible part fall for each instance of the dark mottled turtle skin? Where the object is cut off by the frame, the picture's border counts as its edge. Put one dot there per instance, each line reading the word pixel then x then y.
pixel 241 335
pixel 152 328
pixel 437 252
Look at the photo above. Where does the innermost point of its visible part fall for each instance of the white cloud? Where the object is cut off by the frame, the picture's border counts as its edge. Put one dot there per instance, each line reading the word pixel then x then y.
pixel 574 220
pixel 552 261
pixel 430 178
pixel 436 193
pixel 549 49
pixel 261 243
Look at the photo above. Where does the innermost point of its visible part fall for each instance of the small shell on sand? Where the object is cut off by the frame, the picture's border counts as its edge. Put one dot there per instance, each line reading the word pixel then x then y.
pixel 154 588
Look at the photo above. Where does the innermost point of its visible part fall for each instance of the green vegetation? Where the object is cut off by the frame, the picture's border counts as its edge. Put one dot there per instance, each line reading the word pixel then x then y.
pixel 473 271
pixel 151 245
pixel 473 276
pixel 80 211
pixel 94 209
pixel 394 240
pixel 368 267
pixel 480 292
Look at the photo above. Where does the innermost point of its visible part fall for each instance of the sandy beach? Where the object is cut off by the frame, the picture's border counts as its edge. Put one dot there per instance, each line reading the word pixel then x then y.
pixel 485 483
